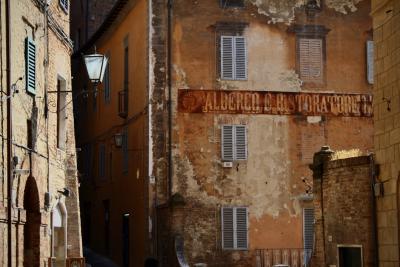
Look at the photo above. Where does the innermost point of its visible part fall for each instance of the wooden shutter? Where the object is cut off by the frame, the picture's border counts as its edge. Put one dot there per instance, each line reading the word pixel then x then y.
pixel 370 62
pixel 310 59
pixel 227 228
pixel 240 143
pixel 308 228
pixel 30 65
pixel 227 57
pixel 125 160
pixel 241 228
pixel 240 58
pixel 227 137
pixel 102 160
pixel 107 93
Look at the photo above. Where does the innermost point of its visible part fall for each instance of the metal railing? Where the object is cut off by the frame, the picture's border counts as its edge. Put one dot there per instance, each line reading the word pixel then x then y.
pixel 123 103
pixel 293 257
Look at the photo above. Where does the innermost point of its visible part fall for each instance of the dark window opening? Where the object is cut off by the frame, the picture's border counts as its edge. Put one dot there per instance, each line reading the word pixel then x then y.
pixel 106 206
pixel 231 3
pixel 350 256
pixel 29 134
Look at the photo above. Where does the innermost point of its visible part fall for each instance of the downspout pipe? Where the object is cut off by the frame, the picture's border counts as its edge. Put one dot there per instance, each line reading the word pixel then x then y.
pixel 169 73
pixel 374 214
pixel 9 136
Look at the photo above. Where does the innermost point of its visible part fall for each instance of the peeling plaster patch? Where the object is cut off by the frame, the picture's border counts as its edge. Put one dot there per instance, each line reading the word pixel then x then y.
pixel 343 6
pixel 278 10
pixel 290 81
pixel 314 119
pixel 180 79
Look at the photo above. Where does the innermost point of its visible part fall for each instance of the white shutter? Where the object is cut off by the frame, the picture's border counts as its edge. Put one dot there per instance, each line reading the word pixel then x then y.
pixel 227 228
pixel 370 62
pixel 241 228
pixel 227 57
pixel 308 228
pixel 227 143
pixel 240 58
pixel 240 143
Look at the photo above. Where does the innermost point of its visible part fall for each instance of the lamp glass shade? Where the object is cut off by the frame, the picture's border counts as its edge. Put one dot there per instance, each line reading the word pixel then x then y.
pixel 96 66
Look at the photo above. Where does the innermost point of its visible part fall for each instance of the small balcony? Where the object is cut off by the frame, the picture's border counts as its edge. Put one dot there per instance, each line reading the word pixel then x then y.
pixel 293 257
pixel 123 103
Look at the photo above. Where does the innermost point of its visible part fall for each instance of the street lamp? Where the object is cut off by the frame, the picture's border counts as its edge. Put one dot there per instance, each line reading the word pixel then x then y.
pixel 95 65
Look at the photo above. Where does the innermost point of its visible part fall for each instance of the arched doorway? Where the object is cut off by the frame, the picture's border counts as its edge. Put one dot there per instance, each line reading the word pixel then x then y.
pixel 32 225
pixel 59 242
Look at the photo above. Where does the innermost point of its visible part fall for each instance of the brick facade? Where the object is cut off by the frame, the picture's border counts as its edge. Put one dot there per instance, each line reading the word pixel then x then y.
pixel 343 207
pixel 386 24
pixel 46 166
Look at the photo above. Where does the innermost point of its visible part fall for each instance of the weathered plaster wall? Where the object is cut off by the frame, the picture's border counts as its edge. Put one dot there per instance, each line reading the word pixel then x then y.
pixel 280 148
pixel 98 123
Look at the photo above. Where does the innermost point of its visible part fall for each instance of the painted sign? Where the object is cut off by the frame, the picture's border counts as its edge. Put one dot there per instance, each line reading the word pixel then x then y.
pixel 275 103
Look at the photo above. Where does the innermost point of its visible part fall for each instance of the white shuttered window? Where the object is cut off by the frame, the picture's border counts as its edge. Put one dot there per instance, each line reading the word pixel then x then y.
pixel 234 142
pixel 233 58
pixel 311 59
pixel 308 228
pixel 234 227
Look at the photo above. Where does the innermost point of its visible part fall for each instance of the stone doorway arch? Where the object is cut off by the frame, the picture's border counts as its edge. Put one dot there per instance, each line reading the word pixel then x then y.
pixel 32 225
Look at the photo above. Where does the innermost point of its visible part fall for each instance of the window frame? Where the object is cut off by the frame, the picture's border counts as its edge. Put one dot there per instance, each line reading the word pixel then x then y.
pixel 234 227
pixel 234 59
pixel 312 32
pixel 234 143
pixel 102 161
pixel 30 71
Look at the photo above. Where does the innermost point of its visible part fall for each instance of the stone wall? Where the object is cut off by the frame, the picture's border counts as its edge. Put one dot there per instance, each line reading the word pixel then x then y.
pixel 386 24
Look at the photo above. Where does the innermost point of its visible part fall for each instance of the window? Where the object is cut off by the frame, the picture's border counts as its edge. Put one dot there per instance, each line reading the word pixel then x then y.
pixel 370 62
pixel 102 160
pixel 61 113
pixel 125 160
pixel 106 208
pixel 29 134
pixel 231 3
pixel 234 142
pixel 308 232
pixel 234 227
pixel 107 85
pixel 310 59
pixel 310 53
pixel 64 5
pixel 233 58
pixel 30 65
pixel 350 256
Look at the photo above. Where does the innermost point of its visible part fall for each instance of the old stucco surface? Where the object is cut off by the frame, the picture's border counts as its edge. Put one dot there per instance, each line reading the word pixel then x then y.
pixel 284 11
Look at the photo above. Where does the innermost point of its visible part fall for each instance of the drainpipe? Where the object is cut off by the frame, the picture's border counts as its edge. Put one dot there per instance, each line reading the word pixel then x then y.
pixel 374 214
pixel 169 73
pixel 9 136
